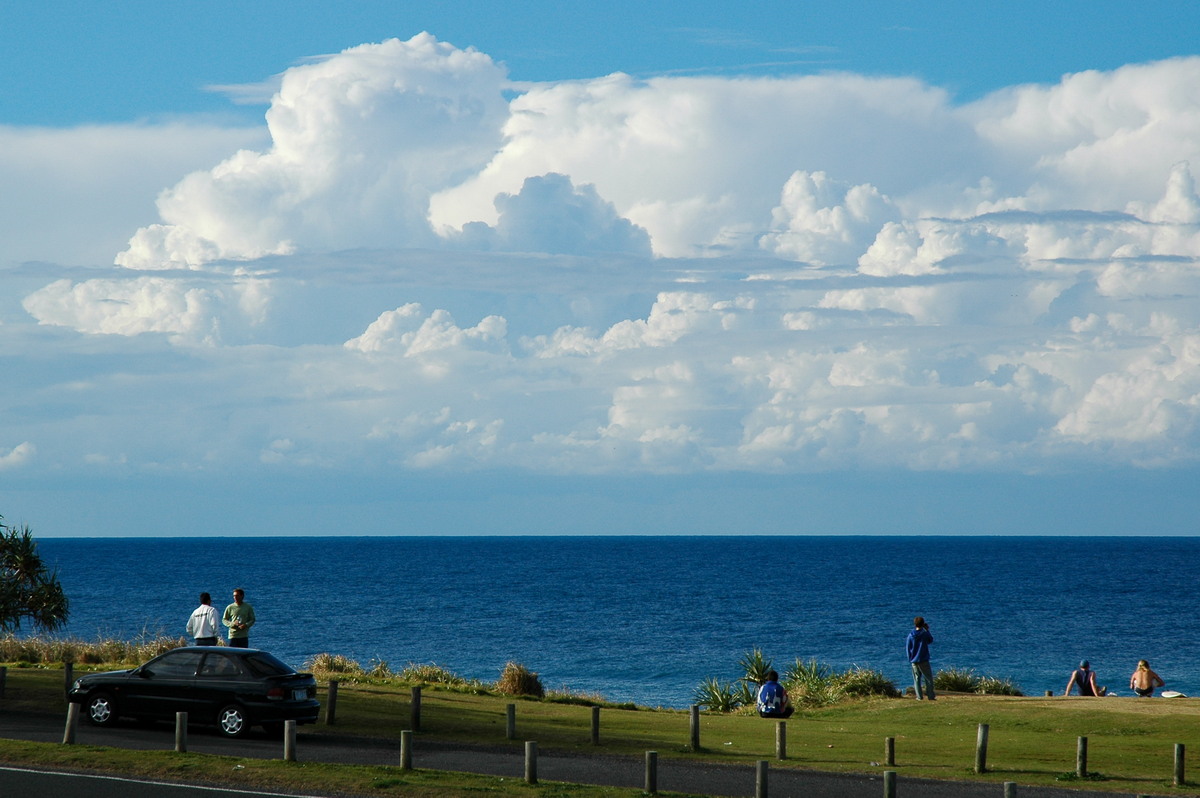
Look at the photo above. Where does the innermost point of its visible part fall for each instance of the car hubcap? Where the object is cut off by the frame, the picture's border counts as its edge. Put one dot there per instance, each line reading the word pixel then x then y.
pixel 231 721
pixel 100 710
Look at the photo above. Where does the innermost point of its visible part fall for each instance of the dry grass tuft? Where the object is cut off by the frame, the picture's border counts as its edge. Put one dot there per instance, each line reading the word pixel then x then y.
pixel 516 679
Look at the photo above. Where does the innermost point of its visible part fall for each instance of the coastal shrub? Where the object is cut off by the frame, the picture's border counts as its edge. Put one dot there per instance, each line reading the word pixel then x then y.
pixel 104 651
pixel 812 684
pixel 956 680
pixel 326 665
pixel 516 679
pixel 717 696
pixel 754 667
pixel 380 670
pixel 859 681
pixel 432 674
pixel 992 685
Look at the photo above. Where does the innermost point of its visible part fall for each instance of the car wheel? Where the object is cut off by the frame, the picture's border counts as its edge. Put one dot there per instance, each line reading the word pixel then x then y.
pixel 232 721
pixel 102 709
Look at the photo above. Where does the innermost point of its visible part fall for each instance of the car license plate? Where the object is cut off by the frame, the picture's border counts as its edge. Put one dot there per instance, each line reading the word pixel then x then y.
pixel 299 695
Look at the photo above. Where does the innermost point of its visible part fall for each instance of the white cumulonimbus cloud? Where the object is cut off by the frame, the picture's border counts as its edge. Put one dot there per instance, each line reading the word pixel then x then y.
pixel 828 271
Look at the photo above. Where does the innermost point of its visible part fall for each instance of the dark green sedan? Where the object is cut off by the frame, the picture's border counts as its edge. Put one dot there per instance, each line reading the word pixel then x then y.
pixel 232 688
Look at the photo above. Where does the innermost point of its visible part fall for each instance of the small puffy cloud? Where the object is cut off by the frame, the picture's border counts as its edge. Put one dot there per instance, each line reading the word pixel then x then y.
pixel 188 311
pixel 821 221
pixel 17 456
pixel 408 331
pixel 551 216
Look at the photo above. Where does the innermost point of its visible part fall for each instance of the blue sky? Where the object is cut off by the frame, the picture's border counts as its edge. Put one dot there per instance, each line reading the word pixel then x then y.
pixel 481 268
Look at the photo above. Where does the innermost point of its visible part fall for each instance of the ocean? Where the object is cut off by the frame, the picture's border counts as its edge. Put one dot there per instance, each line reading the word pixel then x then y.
pixel 647 619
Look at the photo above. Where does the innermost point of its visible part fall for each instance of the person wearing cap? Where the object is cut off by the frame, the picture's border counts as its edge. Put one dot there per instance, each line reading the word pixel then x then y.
pixel 1085 678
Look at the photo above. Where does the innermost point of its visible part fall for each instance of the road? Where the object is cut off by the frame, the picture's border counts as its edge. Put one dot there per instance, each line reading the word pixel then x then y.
pixel 617 771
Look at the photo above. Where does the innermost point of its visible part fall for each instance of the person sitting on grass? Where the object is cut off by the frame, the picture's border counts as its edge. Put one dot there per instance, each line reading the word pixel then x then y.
pixel 1143 681
pixel 1085 678
pixel 772 701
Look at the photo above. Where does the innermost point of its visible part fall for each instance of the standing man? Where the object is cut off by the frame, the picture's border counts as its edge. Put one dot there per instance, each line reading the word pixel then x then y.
pixel 203 623
pixel 918 655
pixel 239 617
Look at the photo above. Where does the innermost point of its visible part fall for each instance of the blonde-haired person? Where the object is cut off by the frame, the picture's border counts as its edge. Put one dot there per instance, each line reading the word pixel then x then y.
pixel 1143 681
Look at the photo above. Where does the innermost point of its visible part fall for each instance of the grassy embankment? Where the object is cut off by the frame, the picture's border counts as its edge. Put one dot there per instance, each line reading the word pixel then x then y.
pixel 1032 741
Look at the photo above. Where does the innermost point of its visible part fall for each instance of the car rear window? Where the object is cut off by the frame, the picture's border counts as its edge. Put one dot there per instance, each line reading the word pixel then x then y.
pixel 264 664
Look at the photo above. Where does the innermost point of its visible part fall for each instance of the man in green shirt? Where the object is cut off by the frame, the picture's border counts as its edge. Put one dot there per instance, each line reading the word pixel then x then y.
pixel 239 617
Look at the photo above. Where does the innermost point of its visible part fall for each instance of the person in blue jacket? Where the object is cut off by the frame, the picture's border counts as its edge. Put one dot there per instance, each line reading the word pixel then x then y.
pixel 918 656
pixel 772 701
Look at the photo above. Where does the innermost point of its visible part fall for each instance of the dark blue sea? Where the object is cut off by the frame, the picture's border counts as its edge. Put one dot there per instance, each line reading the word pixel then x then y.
pixel 646 619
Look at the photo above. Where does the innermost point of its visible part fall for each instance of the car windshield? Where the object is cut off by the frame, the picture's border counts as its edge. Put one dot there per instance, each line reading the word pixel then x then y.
pixel 264 664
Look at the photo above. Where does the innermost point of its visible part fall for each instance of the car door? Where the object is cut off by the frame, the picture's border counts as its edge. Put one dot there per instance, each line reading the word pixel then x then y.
pixel 218 681
pixel 164 685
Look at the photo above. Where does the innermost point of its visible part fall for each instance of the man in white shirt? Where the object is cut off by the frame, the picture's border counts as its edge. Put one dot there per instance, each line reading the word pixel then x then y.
pixel 203 623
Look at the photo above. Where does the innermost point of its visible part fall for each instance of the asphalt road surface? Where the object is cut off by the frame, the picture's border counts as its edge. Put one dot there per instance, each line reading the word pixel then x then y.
pixel 312 746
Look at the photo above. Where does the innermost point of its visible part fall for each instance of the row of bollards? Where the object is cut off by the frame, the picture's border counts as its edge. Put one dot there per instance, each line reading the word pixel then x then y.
pixel 651 777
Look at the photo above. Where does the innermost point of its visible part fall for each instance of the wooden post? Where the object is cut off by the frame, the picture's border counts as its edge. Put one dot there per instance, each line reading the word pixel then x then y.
pixel 981 749
pixel 889 784
pixel 694 724
pixel 889 752
pixel 289 741
pixel 181 732
pixel 1179 764
pixel 760 779
pixel 416 708
pixel 595 725
pixel 1081 757
pixel 651 785
pixel 510 722
pixel 3 679
pixel 1010 789
pixel 406 749
pixel 781 739
pixel 331 703
pixel 1049 693
pixel 530 762
pixel 72 724
pixel 68 676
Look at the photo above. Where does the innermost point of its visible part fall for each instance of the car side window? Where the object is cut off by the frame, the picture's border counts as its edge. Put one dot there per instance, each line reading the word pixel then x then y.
pixel 219 665
pixel 175 665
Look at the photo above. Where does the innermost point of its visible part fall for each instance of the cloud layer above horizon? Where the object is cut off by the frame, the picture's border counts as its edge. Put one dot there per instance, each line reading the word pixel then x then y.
pixel 429 268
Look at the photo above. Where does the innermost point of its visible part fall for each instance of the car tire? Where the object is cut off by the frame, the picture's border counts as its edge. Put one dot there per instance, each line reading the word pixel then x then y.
pixel 232 721
pixel 101 709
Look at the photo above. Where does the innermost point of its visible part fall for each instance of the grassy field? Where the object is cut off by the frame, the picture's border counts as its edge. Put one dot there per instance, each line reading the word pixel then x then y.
pixel 1032 741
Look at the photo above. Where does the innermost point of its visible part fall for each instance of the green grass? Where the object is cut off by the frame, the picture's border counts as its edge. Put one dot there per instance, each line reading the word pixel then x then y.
pixel 1032 741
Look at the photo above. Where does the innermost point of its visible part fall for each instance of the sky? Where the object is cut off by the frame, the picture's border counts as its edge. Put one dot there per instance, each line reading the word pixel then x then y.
pixel 470 268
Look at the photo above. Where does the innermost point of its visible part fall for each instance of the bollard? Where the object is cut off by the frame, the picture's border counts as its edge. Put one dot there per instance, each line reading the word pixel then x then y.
pixel 1049 693
pixel 981 749
pixel 595 725
pixel 1178 764
pixel 289 741
pixel 760 779
pixel 781 739
pixel 406 749
pixel 416 708
pixel 651 785
pixel 331 703
pixel 694 723
pixel 510 722
pixel 1010 789
pixel 530 762
pixel 181 732
pixel 889 752
pixel 1081 757
pixel 72 724
pixel 3 679
pixel 68 676
pixel 889 784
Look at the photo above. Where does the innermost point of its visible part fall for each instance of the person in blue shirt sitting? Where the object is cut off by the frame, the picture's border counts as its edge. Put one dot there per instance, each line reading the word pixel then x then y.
pixel 772 701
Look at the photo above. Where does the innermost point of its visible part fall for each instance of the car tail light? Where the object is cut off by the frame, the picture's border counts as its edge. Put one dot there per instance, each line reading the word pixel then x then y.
pixel 275 693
